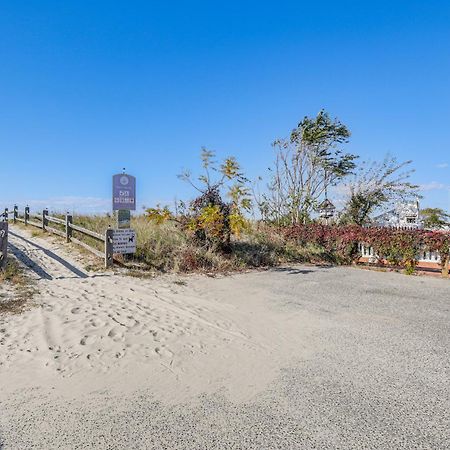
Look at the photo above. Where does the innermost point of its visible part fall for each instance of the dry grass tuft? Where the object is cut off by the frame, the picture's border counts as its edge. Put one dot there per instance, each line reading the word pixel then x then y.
pixel 15 288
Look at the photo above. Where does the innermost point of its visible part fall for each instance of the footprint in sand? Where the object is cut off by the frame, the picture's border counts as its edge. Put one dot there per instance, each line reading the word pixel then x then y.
pixel 87 340
pixel 163 352
pixel 75 310
pixel 96 323
pixel 115 334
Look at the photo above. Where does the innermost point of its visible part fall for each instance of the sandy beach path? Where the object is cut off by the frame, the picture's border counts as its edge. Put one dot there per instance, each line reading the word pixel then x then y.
pixel 84 324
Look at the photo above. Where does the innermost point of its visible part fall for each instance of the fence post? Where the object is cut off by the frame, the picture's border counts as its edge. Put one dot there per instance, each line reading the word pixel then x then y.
pixel 27 215
pixel 109 247
pixel 5 215
pixel 68 227
pixel 3 244
pixel 16 213
pixel 44 218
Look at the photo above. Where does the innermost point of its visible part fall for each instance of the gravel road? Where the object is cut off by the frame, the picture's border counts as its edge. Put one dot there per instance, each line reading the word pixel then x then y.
pixel 372 372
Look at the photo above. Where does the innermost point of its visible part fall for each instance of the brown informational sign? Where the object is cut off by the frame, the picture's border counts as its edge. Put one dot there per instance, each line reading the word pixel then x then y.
pixel 3 243
pixel 124 192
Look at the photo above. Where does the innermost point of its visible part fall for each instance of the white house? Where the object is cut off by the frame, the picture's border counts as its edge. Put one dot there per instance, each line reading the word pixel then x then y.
pixel 402 216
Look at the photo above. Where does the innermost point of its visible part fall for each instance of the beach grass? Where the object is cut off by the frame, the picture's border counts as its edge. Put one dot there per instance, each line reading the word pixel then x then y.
pixel 167 248
pixel 16 289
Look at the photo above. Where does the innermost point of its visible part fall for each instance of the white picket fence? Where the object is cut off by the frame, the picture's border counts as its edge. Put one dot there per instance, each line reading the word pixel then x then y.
pixel 424 256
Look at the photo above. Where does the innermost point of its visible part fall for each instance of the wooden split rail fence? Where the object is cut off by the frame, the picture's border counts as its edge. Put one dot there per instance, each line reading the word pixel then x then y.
pixel 43 221
pixel 3 244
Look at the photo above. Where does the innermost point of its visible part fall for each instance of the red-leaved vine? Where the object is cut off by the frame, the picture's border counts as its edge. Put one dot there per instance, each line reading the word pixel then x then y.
pixel 394 246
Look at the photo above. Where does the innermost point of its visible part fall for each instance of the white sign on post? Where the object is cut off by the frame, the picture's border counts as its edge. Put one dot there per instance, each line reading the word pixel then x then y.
pixel 124 241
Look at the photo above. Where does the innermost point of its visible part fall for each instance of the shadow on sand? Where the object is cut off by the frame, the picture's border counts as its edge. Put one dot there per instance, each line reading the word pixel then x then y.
pixel 35 267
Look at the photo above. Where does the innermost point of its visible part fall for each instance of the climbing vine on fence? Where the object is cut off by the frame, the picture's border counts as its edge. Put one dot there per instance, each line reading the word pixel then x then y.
pixel 394 246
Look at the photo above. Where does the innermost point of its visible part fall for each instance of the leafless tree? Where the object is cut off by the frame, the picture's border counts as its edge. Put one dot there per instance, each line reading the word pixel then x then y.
pixel 305 165
pixel 376 186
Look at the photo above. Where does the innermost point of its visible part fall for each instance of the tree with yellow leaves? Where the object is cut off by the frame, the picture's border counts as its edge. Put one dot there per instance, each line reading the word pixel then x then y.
pixel 209 218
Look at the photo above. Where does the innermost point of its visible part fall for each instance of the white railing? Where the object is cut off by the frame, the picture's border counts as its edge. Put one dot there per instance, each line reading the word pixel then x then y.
pixel 424 256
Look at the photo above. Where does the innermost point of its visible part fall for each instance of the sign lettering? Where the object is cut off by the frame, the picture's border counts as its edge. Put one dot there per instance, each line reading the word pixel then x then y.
pixel 124 241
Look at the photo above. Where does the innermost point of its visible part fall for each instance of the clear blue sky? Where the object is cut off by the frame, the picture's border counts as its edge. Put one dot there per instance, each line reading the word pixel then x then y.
pixel 88 87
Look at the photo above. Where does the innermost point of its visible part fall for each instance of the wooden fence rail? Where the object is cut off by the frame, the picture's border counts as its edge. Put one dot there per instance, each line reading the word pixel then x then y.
pixel 43 219
pixel 3 244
